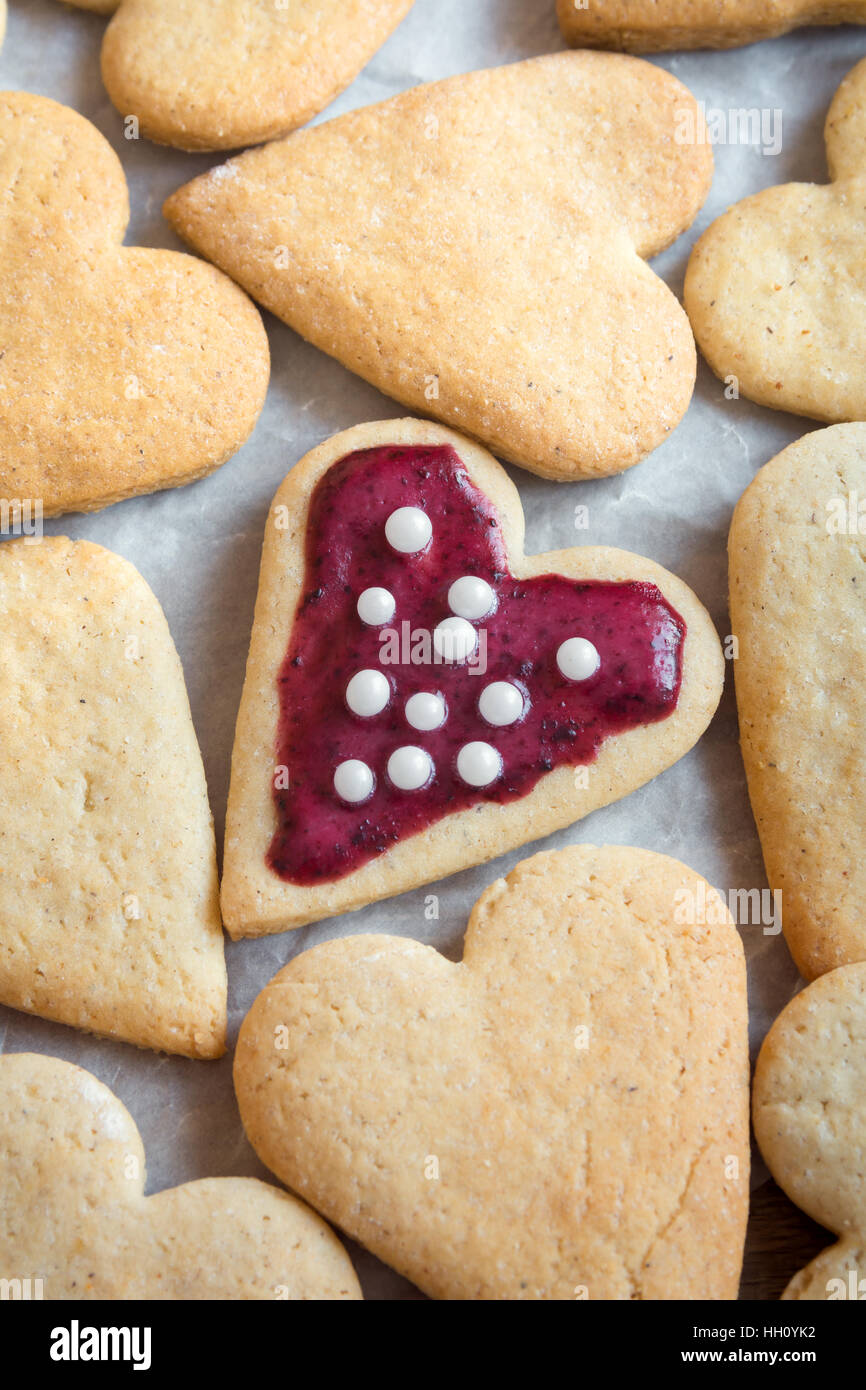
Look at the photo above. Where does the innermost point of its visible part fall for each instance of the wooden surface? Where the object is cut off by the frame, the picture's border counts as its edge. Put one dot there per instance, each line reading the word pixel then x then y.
pixel 779 1242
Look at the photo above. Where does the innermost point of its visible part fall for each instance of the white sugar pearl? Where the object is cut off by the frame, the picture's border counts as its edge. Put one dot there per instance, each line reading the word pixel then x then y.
pixel 425 711
pixel 408 530
pixel 367 693
pixel 410 768
pixel 500 703
pixel 578 659
pixel 454 639
pixel 353 781
pixel 376 607
pixel 479 764
pixel 470 597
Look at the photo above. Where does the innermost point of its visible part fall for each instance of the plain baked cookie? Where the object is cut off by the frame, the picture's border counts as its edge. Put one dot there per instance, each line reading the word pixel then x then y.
pixel 256 899
pixel 109 911
pixel 776 287
pixel 564 1114
pixel 124 370
pixel 650 26
pixel 476 248
pixel 797 552
pixel 217 74
pixel 73 1213
pixel 809 1105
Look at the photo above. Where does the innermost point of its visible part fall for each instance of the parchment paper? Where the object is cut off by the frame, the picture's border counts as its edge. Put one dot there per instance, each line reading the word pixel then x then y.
pixel 199 547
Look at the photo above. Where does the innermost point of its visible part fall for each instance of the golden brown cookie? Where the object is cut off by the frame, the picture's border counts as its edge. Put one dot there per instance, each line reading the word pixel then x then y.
pixel 775 287
pixel 650 26
pixel 216 74
pixel 797 554
pixel 296 849
pixel 109 912
pixel 809 1108
pixel 478 246
pixel 563 1114
pixel 74 1217
pixel 123 370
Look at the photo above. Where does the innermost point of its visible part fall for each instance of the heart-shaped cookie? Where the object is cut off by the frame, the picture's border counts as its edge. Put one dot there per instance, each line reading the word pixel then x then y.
pixel 809 1106
pixel 122 370
pixel 650 26
pixel 215 74
pixel 564 1114
pixel 109 912
pixel 74 1217
pixel 798 610
pixel 372 753
pixel 476 248
pixel 775 287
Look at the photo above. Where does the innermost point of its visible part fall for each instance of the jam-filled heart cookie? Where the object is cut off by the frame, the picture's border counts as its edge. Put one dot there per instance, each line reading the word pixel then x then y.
pixel 73 1214
pixel 477 247
pixel 775 287
pixel 216 74
pixel 123 370
pixel 109 909
pixel 650 26
pixel 798 611
pixel 809 1106
pixel 421 696
pixel 563 1114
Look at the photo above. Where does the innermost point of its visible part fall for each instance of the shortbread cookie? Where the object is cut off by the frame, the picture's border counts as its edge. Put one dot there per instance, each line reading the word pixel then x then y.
pixel 775 288
pixel 562 1115
pixel 216 74
pixel 74 1216
pixel 373 752
pixel 810 1121
pixel 650 26
pixel 124 370
pixel 798 610
pixel 476 248
pixel 109 912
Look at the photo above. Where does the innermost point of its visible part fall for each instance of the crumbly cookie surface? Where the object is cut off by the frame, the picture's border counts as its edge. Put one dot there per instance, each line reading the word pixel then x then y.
pixel 776 287
pixel 215 74
pixel 255 900
pixel 798 611
pixel 809 1106
pixel 131 369
pixel 109 911
pixel 562 1115
pixel 651 26
pixel 73 1211
pixel 476 247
